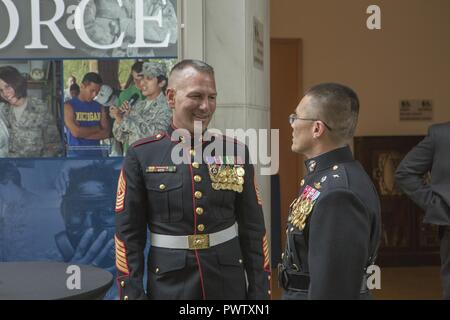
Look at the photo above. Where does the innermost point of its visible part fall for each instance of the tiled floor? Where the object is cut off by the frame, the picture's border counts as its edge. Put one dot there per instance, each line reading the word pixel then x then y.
pixel 409 283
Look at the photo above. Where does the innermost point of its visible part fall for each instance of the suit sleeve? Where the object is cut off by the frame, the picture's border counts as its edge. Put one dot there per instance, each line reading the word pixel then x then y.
pixel 410 172
pixel 131 229
pixel 339 238
pixel 253 240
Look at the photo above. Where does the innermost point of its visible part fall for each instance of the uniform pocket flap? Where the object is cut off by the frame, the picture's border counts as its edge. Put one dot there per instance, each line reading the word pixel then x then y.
pixel 167 260
pixel 163 182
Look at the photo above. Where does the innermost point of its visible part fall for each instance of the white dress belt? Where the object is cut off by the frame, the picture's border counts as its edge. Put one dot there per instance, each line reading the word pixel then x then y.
pixel 195 241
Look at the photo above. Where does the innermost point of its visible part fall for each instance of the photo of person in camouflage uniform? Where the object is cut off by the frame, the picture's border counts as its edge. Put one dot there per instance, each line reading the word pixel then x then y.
pixel 32 128
pixel 148 117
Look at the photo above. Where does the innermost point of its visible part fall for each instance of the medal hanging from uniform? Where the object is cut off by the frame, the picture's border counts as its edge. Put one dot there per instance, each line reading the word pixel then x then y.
pixel 226 175
pixel 302 206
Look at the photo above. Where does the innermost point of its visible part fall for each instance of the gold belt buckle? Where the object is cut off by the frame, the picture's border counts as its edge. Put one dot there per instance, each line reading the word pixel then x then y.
pixel 198 241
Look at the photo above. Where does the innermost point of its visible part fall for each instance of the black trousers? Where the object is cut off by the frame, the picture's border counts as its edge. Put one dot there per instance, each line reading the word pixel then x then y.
pixel 444 234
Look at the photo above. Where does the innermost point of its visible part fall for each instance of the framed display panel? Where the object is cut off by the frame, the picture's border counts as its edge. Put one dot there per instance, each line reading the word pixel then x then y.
pixel 405 239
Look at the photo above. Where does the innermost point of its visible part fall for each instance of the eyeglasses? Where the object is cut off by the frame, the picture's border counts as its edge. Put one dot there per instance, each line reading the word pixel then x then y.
pixel 294 117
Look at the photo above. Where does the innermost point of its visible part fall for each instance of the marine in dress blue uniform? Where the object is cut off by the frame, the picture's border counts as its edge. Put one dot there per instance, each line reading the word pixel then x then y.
pixel 333 228
pixel 205 217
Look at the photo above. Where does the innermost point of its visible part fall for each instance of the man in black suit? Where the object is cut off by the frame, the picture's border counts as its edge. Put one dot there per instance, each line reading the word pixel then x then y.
pixel 334 224
pixel 204 213
pixel 431 155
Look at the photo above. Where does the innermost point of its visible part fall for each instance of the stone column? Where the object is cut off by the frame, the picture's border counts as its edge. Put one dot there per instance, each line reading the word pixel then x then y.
pixel 242 84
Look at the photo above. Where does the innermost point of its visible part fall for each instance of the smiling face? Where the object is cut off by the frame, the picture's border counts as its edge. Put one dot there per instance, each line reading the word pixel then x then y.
pixel 8 94
pixel 192 97
pixel 150 87
pixel 13 86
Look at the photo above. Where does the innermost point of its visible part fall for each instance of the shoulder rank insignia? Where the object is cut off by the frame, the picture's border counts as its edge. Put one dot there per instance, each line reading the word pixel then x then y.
pixel 160 169
pixel 121 189
pixel 302 207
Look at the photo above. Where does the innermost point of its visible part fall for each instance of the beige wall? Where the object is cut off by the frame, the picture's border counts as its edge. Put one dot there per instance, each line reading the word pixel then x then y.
pixel 409 58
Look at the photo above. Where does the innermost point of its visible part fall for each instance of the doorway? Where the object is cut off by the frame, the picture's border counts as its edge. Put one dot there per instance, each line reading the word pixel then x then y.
pixel 285 93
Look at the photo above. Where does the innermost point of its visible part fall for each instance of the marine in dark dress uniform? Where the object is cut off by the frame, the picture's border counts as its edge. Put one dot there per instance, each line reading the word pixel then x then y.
pixel 333 228
pixel 205 217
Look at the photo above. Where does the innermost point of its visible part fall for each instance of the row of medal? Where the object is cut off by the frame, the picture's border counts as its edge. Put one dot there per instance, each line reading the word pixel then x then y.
pixel 227 177
pixel 302 206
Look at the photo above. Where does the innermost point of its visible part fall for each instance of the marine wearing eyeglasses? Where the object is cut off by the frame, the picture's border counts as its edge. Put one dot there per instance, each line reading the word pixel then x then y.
pixel 333 227
pixel 294 117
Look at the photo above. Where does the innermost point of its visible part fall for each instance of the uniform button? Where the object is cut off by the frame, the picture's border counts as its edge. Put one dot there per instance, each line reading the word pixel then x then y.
pixel 201 227
pixel 196 165
pixel 302 183
pixel 292 229
pixel 192 152
pixel 157 270
pixel 199 211
pixel 198 194
pixel 162 187
pixel 335 168
pixel 240 261
pixel 197 178
pixel 158 136
pixel 122 284
pixel 269 292
pixel 125 298
pixel 269 278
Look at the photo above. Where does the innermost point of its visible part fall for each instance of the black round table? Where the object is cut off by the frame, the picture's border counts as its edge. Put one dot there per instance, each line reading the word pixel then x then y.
pixel 48 281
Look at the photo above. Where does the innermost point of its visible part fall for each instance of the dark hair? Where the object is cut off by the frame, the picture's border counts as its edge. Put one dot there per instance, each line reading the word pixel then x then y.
pixel 137 66
pixel 198 65
pixel 161 79
pixel 75 87
pixel 92 77
pixel 95 172
pixel 13 78
pixel 338 106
